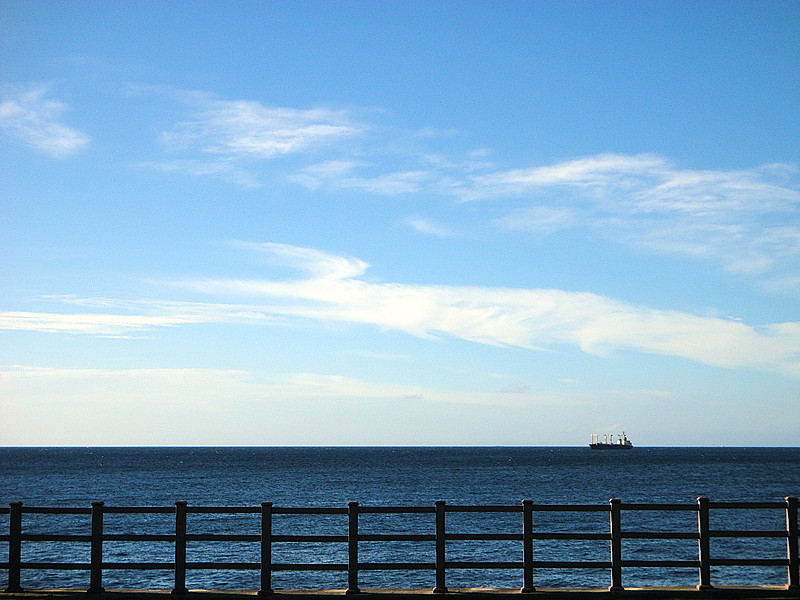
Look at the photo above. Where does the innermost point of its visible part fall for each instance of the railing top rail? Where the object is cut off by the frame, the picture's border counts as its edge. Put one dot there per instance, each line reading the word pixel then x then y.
pixel 301 510
pixel 138 509
pixel 230 510
pixel 748 505
pixel 665 506
pixel 396 509
pixel 55 510
pixel 570 507
pixel 483 508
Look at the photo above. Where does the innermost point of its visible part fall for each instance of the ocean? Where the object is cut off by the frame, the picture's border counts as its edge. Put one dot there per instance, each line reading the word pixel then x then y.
pixel 397 476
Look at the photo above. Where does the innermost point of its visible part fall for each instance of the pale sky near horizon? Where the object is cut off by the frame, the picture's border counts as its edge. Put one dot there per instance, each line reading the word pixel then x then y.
pixel 385 223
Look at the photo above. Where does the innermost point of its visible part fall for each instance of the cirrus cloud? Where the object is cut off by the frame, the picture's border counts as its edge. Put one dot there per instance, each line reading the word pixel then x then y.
pixel 747 220
pixel 32 118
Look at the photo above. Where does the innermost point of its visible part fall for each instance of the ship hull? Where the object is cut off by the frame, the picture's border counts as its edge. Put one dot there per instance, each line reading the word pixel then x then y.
pixel 611 446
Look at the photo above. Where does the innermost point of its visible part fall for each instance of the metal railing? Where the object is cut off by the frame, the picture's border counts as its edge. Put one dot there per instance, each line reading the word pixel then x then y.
pixel 526 540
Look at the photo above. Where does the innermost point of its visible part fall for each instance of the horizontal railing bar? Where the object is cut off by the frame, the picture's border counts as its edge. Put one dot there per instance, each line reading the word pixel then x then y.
pixel 224 510
pixel 55 510
pixel 410 566
pixel 138 537
pixel 749 562
pixel 309 538
pixel 388 510
pixel 138 566
pixel 52 537
pixel 309 567
pixel 571 564
pixel 658 506
pixel 222 537
pixel 138 510
pixel 659 535
pixel 689 564
pixel 482 565
pixel 483 509
pixel 55 566
pixel 227 566
pixel 570 536
pixel 753 505
pixel 395 509
pixel 400 537
pixel 299 510
pixel 484 536
pixel 745 533
pixel 570 507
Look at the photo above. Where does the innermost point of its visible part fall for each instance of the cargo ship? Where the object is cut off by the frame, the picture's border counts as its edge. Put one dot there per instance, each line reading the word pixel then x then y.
pixel 622 442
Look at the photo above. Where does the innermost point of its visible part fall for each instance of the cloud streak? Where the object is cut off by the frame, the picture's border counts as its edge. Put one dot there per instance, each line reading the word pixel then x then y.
pixel 33 119
pixel 117 319
pixel 428 227
pixel 748 221
pixel 245 128
pixel 333 290
pixel 224 138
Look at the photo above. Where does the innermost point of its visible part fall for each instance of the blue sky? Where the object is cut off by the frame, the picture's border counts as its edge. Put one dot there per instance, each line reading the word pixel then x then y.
pixel 351 223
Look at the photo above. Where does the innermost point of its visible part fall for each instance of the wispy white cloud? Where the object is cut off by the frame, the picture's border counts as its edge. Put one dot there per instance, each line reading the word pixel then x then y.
pixel 610 171
pixel 226 170
pixel 313 176
pixel 247 128
pixel 316 263
pixel 748 221
pixel 545 219
pixel 226 138
pixel 526 318
pixel 91 324
pixel 32 118
pixel 429 228
pixel 124 318
pixel 341 174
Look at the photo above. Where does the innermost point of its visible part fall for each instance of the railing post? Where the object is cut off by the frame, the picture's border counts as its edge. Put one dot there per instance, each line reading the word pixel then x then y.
pixel 14 546
pixel 527 547
pixel 352 548
pixel 703 544
pixel 440 549
pixel 180 548
pixel 793 583
pixel 616 546
pixel 266 549
pixel 96 572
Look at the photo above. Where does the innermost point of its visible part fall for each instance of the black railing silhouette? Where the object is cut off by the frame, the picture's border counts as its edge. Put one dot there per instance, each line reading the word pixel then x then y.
pixel 352 537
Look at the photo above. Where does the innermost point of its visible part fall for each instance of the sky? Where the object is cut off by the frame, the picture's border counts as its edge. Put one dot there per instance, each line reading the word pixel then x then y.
pixel 399 223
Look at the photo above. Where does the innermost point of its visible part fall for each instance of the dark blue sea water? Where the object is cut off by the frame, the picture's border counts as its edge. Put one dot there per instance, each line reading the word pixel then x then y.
pixel 73 477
